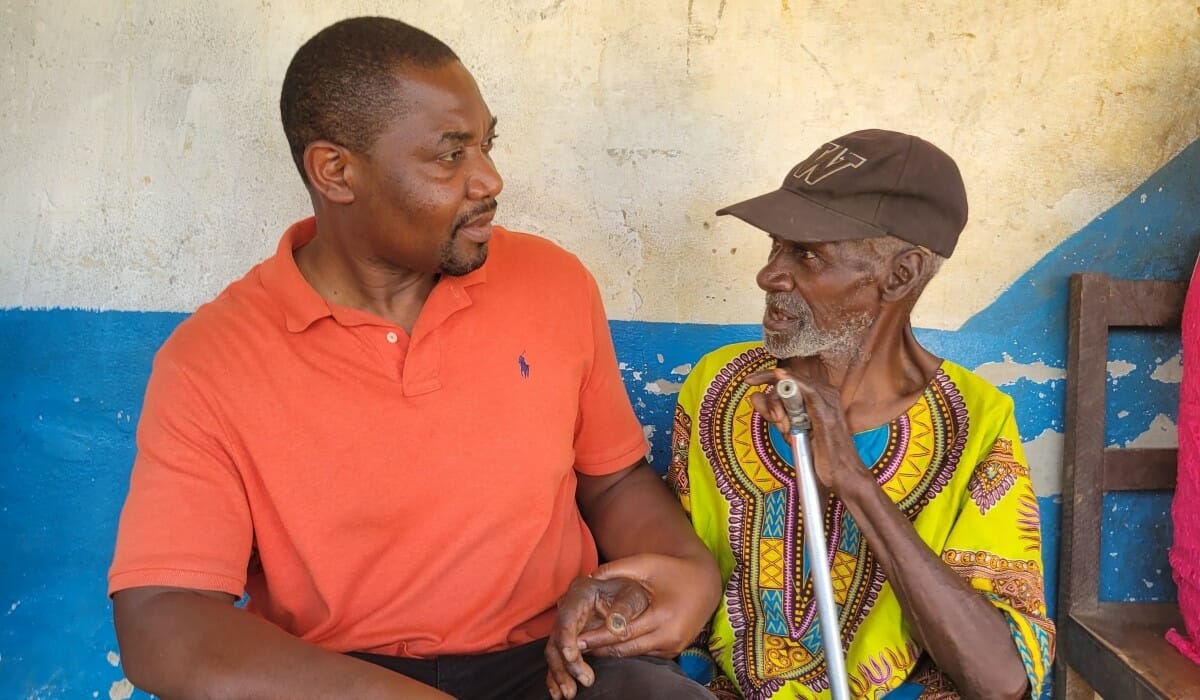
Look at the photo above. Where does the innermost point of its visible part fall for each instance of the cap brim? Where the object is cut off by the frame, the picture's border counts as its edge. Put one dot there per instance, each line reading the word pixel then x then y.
pixel 787 215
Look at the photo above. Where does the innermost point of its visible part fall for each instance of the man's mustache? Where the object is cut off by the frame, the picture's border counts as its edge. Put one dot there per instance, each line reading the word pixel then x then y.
pixel 484 208
pixel 788 304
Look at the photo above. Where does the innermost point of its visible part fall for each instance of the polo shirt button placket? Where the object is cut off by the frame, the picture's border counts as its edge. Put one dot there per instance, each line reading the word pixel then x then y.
pixel 392 337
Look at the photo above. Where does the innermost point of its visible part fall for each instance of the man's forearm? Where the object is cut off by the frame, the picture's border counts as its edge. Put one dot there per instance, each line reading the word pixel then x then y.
pixel 637 514
pixel 966 635
pixel 185 644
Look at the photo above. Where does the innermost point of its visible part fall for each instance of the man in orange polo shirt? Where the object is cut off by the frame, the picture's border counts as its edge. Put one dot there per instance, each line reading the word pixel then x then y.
pixel 404 435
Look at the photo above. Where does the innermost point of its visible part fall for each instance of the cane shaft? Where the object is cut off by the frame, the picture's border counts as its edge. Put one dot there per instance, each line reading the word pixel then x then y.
pixel 814 538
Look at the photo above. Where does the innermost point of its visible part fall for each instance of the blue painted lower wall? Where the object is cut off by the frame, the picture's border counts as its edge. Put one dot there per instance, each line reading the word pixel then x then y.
pixel 72 384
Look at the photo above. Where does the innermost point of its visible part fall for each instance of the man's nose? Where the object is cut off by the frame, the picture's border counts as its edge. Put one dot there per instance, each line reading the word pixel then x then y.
pixel 485 182
pixel 772 278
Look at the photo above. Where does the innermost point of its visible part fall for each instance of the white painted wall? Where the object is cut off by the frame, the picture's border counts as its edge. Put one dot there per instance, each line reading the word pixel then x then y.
pixel 144 167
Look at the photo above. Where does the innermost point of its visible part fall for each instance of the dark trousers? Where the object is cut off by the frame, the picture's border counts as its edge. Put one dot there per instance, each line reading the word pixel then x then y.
pixel 520 674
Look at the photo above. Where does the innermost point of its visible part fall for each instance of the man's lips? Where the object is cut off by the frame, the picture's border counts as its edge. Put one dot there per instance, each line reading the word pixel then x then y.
pixel 479 228
pixel 775 318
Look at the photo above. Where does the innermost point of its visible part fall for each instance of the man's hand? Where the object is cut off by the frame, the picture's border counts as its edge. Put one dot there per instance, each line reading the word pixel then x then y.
pixel 642 605
pixel 589 604
pixel 834 454
pixel 671 587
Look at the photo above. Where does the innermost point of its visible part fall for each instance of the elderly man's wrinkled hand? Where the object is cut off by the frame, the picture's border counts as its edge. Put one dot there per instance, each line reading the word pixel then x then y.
pixel 640 605
pixel 591 605
pixel 682 594
pixel 832 442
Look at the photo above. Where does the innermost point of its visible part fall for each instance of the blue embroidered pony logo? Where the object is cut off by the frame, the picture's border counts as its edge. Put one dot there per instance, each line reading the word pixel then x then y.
pixel 523 365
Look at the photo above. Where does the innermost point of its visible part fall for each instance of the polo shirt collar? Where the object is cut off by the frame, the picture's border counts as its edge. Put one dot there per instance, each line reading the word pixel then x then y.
pixel 303 306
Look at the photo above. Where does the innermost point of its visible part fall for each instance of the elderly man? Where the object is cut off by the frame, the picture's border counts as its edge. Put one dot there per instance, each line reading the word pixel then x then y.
pixel 931 521
pixel 404 435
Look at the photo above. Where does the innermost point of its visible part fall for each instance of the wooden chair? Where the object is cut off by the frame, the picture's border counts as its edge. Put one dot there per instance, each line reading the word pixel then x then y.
pixel 1115 648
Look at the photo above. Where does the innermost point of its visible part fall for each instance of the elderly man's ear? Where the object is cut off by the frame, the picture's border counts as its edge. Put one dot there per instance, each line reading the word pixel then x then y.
pixel 906 273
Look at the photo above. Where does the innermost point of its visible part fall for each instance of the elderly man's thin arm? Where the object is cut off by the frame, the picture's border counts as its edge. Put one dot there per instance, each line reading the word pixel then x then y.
pixel 965 634
pixel 180 643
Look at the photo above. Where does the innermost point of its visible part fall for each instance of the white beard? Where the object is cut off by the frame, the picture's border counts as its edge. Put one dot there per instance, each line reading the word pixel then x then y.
pixel 805 339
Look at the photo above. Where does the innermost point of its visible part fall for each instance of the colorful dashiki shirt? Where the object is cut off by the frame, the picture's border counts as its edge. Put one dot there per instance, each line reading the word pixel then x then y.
pixel 953 464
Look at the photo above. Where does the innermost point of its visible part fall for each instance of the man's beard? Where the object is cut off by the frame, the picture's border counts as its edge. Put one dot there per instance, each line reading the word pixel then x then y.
pixel 455 264
pixel 804 339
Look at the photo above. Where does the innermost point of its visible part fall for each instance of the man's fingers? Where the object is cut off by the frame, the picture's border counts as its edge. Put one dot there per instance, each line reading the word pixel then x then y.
pixel 569 664
pixel 580 671
pixel 766 376
pixel 552 686
pixel 558 681
pixel 625 568
pixel 630 601
pixel 771 409
pixel 565 666
pixel 575 614
pixel 646 645
pixel 616 624
pixel 635 627
pixel 621 596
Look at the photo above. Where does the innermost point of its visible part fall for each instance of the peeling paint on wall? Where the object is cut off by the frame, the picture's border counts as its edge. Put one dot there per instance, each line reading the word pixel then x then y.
pixel 1160 434
pixel 1008 372
pixel 648 431
pixel 121 690
pixel 1170 372
pixel 1044 454
pixel 663 387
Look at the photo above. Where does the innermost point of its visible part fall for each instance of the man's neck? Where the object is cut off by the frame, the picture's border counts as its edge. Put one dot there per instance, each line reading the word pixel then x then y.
pixel 343 278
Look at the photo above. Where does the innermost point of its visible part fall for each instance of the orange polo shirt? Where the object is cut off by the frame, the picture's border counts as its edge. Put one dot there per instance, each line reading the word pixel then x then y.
pixel 372 491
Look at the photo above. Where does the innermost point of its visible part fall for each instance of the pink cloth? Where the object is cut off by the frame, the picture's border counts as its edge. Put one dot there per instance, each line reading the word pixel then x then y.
pixel 1185 508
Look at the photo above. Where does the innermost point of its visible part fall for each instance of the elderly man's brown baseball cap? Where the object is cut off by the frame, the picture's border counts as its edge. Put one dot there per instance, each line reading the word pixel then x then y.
pixel 865 185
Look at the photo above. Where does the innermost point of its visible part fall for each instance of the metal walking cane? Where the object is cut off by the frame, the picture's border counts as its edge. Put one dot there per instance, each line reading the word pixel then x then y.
pixel 814 536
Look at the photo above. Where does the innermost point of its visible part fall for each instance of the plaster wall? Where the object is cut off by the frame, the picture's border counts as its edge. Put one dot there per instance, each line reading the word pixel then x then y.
pixel 152 169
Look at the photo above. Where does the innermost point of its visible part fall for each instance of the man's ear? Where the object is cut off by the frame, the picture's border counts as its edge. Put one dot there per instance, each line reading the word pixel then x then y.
pixel 327 165
pixel 907 271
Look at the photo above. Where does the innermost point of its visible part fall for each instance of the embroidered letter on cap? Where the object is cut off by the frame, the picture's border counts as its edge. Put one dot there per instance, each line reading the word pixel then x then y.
pixel 833 159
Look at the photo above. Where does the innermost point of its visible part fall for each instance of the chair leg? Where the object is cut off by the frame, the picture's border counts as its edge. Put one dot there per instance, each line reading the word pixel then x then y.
pixel 1075 688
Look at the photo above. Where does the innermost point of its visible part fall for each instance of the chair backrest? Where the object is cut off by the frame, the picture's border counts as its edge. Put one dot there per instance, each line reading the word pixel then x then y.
pixel 1090 468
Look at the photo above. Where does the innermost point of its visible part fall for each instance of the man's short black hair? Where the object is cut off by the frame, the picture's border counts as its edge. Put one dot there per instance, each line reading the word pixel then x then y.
pixel 341 84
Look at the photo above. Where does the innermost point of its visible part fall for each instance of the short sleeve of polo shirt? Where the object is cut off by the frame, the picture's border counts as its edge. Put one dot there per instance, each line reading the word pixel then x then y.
pixel 186 521
pixel 608 436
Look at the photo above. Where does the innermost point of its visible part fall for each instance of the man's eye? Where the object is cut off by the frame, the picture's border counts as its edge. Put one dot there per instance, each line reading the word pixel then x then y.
pixel 796 251
pixel 454 155
pixel 487 145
